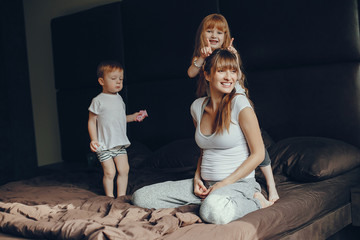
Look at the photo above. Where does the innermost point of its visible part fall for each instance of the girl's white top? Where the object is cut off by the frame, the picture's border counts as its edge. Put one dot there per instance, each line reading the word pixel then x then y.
pixel 111 120
pixel 222 153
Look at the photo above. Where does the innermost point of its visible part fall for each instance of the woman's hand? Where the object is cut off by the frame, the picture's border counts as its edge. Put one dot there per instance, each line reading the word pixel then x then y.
pixel 202 192
pixel 215 186
pixel 199 189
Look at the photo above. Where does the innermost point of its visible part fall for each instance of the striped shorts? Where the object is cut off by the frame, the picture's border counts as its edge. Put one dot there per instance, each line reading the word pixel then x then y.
pixel 111 153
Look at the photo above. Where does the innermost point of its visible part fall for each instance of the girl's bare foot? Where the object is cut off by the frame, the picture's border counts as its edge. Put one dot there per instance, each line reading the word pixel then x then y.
pixel 273 194
pixel 263 202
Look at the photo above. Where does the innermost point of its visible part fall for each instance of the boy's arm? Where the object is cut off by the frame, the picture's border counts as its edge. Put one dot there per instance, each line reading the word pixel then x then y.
pixel 138 116
pixel 94 144
pixel 131 117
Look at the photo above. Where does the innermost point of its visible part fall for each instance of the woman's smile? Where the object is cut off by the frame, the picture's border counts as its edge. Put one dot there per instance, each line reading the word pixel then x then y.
pixel 226 84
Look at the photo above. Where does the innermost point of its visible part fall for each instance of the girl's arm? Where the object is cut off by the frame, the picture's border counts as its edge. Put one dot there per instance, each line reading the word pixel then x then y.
pixel 250 127
pixel 94 144
pixel 193 70
pixel 197 62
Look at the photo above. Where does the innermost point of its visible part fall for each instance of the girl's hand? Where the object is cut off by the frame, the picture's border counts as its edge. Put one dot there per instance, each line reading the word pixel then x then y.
pixel 94 145
pixel 231 47
pixel 199 189
pixel 206 51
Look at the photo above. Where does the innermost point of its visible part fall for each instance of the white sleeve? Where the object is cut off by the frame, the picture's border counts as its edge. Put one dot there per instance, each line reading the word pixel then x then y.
pixel 94 106
pixel 193 111
pixel 196 107
pixel 240 102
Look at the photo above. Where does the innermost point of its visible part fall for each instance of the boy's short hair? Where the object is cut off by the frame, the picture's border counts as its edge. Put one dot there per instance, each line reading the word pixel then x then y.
pixel 108 66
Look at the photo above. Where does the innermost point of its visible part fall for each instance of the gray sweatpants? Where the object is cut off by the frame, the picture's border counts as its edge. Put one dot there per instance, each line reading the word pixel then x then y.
pixel 222 206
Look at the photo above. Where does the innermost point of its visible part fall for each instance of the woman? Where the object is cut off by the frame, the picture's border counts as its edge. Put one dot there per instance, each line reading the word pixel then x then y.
pixel 228 133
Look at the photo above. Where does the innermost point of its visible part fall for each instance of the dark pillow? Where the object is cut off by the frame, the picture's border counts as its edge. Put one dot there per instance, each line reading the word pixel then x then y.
pixel 268 141
pixel 177 154
pixel 309 159
pixel 137 153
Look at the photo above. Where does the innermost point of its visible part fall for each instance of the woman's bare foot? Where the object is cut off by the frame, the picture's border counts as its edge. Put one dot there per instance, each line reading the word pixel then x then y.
pixel 263 202
pixel 273 194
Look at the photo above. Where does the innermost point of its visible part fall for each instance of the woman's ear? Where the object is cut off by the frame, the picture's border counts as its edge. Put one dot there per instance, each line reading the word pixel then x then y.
pixel 207 77
pixel 101 81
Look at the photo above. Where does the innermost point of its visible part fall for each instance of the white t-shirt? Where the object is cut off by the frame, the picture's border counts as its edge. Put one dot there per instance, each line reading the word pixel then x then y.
pixel 222 153
pixel 111 120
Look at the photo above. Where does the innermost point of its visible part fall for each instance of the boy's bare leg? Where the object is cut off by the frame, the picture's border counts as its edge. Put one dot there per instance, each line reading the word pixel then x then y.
pixel 108 178
pixel 122 167
pixel 270 182
pixel 263 202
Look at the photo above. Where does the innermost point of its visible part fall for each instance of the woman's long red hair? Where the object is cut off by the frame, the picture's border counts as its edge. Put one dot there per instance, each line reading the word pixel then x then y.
pixel 223 59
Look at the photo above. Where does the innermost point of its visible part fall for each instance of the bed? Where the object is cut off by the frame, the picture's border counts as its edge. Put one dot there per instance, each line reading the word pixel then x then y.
pixel 313 175
pixel 302 68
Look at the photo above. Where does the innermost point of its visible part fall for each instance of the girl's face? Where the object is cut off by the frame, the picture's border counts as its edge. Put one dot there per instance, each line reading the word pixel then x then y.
pixel 112 82
pixel 216 37
pixel 223 80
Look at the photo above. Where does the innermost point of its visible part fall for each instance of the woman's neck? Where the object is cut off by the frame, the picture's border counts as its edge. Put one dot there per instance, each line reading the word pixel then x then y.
pixel 214 102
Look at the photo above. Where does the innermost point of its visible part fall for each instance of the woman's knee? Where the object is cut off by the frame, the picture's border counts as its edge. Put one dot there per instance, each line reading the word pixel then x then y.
pixel 137 197
pixel 218 209
pixel 140 198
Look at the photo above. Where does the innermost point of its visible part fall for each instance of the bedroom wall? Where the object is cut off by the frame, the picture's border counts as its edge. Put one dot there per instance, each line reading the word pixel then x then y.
pixel 17 142
pixel 37 14
pixel 293 64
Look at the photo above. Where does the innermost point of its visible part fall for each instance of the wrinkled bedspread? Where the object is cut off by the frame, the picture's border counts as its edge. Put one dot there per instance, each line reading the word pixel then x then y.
pixel 45 207
pixel 71 206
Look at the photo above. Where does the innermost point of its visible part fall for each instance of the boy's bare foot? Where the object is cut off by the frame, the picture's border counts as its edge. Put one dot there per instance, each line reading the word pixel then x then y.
pixel 263 202
pixel 273 194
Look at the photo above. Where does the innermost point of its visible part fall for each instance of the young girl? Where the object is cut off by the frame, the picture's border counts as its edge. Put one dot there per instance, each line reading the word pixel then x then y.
pixel 214 33
pixel 228 134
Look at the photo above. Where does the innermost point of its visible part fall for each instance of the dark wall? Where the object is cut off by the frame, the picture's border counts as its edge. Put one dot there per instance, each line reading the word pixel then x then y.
pixel 138 34
pixel 17 144
pixel 80 42
pixel 301 59
pixel 302 63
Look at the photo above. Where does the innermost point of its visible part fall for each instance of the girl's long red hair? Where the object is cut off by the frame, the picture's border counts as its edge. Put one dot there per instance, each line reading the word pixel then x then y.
pixel 209 22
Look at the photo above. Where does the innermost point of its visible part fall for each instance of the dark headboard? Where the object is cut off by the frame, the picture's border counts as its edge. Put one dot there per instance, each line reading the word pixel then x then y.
pixel 301 60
